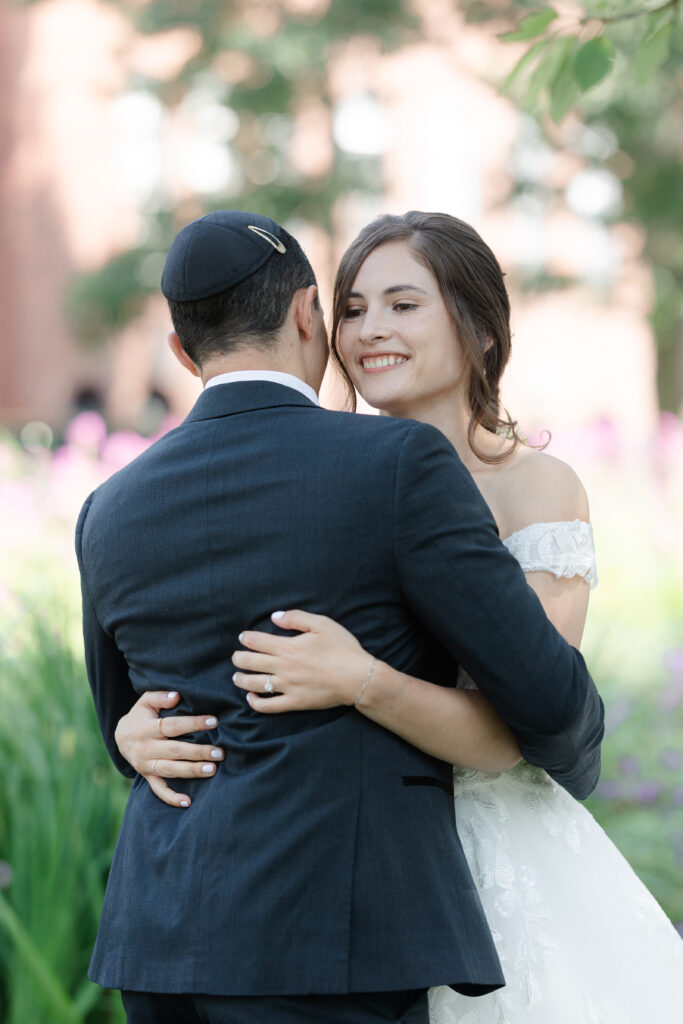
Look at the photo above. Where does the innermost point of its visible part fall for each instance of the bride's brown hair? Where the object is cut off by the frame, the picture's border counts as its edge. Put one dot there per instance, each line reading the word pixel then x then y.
pixel 472 287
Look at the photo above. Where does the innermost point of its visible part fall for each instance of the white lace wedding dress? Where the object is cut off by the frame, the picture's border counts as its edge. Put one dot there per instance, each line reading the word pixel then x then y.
pixel 580 938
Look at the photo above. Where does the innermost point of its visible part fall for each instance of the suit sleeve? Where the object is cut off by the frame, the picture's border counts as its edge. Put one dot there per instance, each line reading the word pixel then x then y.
pixel 107 668
pixel 472 595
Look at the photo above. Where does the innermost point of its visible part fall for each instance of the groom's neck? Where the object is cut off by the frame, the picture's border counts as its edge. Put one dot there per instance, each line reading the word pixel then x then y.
pixel 283 359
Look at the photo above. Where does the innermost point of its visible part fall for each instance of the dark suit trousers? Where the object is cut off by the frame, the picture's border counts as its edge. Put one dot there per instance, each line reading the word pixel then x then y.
pixel 356 1008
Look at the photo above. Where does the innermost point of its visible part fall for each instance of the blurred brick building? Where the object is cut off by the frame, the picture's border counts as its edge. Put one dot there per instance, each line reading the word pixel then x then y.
pixel 68 201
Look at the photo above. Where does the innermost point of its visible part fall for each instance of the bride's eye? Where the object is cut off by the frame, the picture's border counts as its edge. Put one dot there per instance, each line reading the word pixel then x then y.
pixel 352 313
pixel 404 307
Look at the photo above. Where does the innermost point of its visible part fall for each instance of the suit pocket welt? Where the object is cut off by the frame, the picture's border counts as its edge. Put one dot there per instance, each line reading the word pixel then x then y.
pixel 427 780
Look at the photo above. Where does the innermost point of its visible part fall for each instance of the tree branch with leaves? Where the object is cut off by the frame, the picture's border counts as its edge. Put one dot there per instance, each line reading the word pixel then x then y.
pixel 571 53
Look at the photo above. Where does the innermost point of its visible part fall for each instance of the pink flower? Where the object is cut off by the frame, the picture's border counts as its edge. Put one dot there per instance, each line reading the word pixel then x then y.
pixel 121 448
pixel 87 430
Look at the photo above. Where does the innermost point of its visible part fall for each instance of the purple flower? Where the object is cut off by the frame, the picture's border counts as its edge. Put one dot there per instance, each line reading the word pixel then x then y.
pixel 609 789
pixel 673 662
pixel 671 696
pixel 672 759
pixel 629 765
pixel 648 792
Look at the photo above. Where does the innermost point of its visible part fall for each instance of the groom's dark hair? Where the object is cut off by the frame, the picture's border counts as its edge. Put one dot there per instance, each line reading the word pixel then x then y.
pixel 247 315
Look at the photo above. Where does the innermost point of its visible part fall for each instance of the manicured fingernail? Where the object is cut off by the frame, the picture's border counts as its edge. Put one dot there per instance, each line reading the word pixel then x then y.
pixel 277 615
pixel 184 803
pixel 234 679
pixel 240 637
pixel 211 722
pixel 208 769
pixel 172 694
pixel 216 753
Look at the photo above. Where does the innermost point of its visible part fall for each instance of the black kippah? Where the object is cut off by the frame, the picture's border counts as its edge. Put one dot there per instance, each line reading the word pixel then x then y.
pixel 218 251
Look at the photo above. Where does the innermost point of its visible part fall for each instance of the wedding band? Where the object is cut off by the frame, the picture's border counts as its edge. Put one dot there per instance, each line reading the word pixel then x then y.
pixel 269 686
pixel 154 766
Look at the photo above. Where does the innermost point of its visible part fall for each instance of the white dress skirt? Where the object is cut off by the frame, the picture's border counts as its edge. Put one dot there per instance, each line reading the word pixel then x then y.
pixel 580 938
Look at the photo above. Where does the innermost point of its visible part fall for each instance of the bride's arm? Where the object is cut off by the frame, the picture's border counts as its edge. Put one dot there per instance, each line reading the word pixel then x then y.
pixel 460 725
pixel 325 666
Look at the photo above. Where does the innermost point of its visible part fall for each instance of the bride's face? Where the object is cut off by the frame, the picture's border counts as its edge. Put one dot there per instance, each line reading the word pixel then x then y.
pixel 397 339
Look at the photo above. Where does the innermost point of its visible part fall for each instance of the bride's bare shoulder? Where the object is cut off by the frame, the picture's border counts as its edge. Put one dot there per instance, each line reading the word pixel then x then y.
pixel 539 488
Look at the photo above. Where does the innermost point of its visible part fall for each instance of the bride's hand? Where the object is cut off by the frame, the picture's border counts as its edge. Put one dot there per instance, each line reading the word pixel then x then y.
pixel 148 742
pixel 323 667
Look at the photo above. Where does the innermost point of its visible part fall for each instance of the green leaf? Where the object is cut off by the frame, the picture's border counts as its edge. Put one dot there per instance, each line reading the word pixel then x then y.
pixel 563 89
pixel 531 26
pixel 593 61
pixel 548 68
pixel 655 19
pixel 653 52
pixel 525 59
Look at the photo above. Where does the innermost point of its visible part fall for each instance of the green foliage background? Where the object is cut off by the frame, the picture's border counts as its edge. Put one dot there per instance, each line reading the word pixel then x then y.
pixel 618 65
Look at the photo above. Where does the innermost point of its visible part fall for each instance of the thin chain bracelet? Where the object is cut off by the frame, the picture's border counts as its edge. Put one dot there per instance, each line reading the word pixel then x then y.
pixel 366 683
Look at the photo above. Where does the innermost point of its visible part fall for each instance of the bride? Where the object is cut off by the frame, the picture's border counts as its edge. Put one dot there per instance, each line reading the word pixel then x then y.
pixel 580 939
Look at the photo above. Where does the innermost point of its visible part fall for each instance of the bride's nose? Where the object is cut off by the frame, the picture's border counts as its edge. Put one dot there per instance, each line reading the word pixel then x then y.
pixel 373 328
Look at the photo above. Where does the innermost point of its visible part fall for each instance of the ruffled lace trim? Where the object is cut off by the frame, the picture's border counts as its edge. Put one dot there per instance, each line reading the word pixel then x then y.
pixel 565 549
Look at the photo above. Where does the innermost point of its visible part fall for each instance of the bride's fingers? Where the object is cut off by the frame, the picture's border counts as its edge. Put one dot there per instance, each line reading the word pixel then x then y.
pixel 304 622
pixel 163 791
pixel 265 643
pixel 180 725
pixel 270 705
pixel 253 661
pixel 170 750
pixel 162 769
pixel 158 699
pixel 256 683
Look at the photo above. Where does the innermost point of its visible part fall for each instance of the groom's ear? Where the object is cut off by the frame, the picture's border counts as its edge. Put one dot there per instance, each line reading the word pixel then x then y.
pixel 304 303
pixel 181 355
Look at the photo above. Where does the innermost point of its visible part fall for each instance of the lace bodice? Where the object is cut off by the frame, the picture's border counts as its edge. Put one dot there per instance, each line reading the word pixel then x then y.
pixel 575 929
pixel 565 549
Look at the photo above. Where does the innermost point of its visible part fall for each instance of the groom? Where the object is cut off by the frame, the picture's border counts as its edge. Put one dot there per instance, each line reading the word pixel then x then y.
pixel 319 877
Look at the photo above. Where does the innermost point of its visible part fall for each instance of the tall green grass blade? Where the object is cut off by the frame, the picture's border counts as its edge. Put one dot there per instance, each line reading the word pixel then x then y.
pixel 60 806
pixel 55 999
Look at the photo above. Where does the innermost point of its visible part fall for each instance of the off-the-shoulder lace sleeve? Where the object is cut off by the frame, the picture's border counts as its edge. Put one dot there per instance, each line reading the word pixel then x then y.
pixel 564 549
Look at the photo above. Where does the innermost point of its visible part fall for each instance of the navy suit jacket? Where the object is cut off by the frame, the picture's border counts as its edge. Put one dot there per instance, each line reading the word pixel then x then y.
pixel 323 857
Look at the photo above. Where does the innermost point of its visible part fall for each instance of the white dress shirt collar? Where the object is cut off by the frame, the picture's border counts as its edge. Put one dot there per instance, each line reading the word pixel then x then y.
pixel 274 376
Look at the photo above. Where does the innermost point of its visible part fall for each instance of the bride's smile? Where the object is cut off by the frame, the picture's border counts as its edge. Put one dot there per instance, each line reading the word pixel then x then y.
pixel 376 363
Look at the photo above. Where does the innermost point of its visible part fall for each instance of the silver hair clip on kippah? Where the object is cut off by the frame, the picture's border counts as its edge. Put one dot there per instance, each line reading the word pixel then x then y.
pixel 266 235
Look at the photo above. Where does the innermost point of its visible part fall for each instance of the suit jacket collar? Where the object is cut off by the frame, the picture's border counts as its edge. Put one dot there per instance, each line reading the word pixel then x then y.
pixel 244 396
